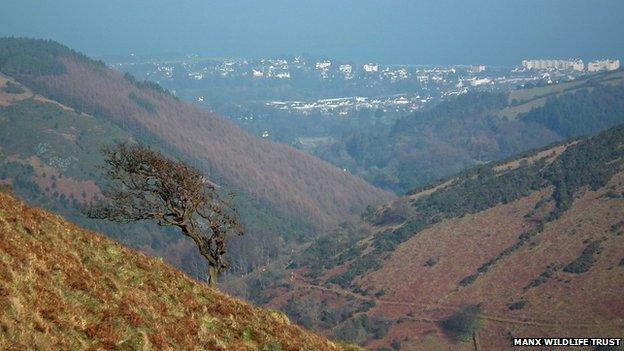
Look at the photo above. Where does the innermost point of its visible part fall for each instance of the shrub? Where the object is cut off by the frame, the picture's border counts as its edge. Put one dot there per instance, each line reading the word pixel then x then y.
pixel 543 278
pixel 585 261
pixel 518 305
pixel 367 305
pixel 430 262
pixel 12 88
pixel 362 327
pixel 366 263
pixel 468 280
pixel 617 226
pixel 462 324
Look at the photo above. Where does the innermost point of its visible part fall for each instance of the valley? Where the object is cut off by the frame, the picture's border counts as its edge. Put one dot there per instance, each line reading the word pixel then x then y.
pixel 521 257
pixel 455 223
pixel 396 126
pixel 274 180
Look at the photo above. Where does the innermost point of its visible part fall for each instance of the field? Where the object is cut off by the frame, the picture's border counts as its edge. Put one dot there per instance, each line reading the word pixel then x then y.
pixel 524 100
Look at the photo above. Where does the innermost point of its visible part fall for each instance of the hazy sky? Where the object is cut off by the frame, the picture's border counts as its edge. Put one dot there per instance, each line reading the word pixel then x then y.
pixel 400 31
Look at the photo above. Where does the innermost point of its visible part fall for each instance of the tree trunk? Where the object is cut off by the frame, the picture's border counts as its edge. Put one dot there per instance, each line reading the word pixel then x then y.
pixel 204 250
pixel 212 276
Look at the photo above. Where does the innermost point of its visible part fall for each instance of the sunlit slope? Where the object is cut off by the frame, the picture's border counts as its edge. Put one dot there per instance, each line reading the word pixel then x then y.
pixel 64 288
pixel 533 245
pixel 564 281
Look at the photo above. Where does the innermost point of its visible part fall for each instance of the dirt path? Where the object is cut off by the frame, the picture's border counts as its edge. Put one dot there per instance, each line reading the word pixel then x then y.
pixel 424 307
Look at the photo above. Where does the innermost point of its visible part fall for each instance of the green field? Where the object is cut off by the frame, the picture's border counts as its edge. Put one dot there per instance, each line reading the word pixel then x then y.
pixel 524 100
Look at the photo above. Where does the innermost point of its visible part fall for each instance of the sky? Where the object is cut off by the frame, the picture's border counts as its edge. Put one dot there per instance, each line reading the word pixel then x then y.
pixel 495 32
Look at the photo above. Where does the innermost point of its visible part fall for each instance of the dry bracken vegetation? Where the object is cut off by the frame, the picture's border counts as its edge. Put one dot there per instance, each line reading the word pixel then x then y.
pixel 62 287
pixel 293 182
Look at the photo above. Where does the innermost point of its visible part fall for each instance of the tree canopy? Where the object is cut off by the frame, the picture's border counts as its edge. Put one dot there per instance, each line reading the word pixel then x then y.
pixel 146 185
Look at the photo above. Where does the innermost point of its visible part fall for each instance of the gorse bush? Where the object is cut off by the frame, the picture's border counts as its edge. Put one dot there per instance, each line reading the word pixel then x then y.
pixel 543 277
pixel 363 327
pixel 462 324
pixel 518 305
pixel 12 88
pixel 585 261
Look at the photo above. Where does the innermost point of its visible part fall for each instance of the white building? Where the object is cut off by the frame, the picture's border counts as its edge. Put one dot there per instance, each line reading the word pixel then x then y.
pixel 282 75
pixel 371 68
pixel 346 70
pixel 603 65
pixel 478 82
pixel 323 65
pixel 477 68
pixel 571 64
pixel 395 74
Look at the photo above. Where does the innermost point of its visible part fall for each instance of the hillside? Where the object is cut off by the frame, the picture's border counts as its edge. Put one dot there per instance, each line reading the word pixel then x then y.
pixel 477 128
pixel 279 176
pixel 50 154
pixel 58 108
pixel 62 287
pixel 532 245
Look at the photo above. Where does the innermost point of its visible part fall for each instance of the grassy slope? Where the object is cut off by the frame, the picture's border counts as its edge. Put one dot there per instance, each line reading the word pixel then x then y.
pixel 563 304
pixel 62 287
pixel 50 154
pixel 528 99
pixel 523 95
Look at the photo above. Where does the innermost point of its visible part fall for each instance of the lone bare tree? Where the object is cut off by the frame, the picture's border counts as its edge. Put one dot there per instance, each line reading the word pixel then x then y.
pixel 146 185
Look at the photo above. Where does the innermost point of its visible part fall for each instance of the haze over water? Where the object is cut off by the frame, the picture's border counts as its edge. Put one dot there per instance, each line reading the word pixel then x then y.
pixel 495 32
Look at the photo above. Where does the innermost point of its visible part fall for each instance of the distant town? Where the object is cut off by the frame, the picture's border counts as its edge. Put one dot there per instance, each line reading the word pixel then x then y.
pixel 253 92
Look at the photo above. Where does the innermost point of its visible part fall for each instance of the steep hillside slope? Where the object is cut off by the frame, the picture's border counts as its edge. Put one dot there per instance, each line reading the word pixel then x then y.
pixel 64 288
pixel 281 177
pixel 50 154
pixel 531 246
pixel 477 128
